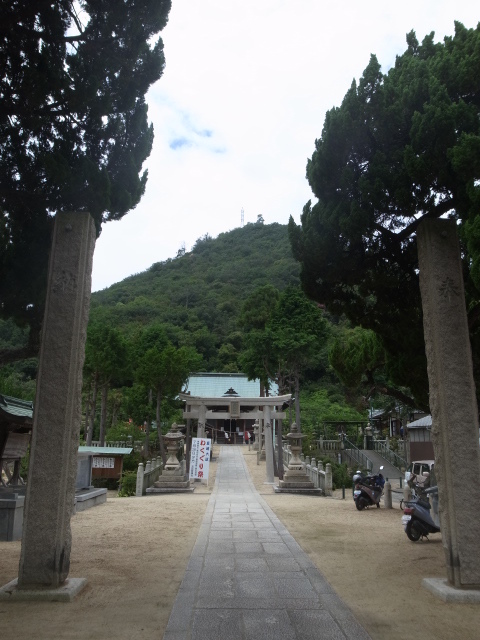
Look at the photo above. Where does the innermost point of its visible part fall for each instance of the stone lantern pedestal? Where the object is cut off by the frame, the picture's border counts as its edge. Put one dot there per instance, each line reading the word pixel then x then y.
pixel 295 479
pixel 174 478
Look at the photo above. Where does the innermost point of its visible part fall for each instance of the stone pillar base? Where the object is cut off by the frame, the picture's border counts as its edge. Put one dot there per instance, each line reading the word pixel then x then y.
pixel 65 593
pixel 443 590
pixel 172 482
pixel 307 491
pixel 297 483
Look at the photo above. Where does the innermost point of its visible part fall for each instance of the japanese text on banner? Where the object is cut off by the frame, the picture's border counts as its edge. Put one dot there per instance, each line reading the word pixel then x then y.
pixel 200 458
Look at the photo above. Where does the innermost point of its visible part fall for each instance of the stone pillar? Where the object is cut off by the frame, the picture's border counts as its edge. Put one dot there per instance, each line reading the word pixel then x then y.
pixel 261 434
pixel 202 419
pixel 328 479
pixel 452 399
pixel 139 485
pixel 256 431
pixel 387 495
pixel 268 446
pixel 46 542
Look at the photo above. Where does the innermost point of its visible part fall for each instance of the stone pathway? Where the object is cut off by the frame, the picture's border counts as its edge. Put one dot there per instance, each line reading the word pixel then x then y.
pixel 248 579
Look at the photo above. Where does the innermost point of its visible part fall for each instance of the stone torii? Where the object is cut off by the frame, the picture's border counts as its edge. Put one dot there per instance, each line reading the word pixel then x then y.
pixel 264 409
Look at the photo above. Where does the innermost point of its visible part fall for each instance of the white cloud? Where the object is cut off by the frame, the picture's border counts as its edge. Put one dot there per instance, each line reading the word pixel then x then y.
pixel 243 97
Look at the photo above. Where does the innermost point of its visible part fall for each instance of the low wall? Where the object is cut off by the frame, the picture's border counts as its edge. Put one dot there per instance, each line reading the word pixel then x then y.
pixel 88 498
pixel 147 475
pixel 321 478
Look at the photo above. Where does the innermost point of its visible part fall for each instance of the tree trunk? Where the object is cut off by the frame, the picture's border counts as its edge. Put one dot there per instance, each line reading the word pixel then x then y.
pixel 87 417
pixel 146 446
pixel 103 414
pixel 116 402
pixel 159 428
pixel 94 410
pixel 297 401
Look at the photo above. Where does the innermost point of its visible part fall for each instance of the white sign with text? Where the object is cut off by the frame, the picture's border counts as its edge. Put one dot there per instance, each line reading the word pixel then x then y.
pixel 200 458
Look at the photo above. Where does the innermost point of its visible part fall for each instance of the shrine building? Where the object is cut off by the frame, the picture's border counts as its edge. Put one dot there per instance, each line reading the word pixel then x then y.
pixel 227 405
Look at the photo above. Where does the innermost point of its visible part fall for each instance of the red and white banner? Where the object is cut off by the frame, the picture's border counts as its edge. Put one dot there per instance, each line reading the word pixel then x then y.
pixel 200 458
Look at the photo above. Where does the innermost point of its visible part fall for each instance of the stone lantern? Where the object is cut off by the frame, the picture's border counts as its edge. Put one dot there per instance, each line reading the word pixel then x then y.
pixel 295 479
pixel 173 478
pixel 172 444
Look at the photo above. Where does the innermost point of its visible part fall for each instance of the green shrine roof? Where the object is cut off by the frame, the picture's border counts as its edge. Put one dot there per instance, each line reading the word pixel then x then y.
pixel 15 409
pixel 217 385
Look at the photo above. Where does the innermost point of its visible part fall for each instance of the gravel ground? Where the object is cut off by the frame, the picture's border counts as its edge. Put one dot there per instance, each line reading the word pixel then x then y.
pixel 133 551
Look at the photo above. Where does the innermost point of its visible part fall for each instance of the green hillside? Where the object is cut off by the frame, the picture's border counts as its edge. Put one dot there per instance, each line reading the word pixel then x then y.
pixel 194 300
pixel 199 295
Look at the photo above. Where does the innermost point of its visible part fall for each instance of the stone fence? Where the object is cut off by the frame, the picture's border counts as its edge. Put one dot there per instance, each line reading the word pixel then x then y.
pixel 328 445
pixel 147 475
pixel 321 478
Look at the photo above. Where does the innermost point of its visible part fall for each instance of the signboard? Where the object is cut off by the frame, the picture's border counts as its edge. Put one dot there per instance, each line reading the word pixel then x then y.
pixel 103 463
pixel 235 409
pixel 200 458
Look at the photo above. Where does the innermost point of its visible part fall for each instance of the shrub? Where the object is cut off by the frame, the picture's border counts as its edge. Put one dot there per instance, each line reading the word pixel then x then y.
pixel 128 484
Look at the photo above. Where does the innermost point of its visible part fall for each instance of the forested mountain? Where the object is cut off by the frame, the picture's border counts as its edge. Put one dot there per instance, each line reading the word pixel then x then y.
pixel 191 306
pixel 199 295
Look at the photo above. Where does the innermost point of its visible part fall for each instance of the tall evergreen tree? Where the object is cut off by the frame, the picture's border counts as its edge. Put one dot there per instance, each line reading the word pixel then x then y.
pixel 73 126
pixel 403 146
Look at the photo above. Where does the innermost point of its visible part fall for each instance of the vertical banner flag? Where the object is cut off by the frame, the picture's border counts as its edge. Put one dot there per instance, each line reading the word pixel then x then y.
pixel 200 458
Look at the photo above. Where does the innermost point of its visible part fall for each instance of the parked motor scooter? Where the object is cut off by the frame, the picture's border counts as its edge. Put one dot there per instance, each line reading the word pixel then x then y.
pixel 368 490
pixel 416 518
pixel 418 489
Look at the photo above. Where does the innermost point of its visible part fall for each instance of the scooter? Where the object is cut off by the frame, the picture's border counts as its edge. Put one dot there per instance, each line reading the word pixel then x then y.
pixel 368 490
pixel 416 519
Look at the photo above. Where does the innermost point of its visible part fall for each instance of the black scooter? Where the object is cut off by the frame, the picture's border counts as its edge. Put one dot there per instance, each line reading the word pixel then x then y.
pixel 416 519
pixel 368 490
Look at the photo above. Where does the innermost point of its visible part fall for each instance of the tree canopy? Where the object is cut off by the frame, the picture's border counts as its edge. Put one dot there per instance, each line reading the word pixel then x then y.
pixel 287 344
pixel 73 126
pixel 403 146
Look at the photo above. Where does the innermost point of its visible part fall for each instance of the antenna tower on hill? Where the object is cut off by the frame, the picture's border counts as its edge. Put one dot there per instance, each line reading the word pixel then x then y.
pixel 242 217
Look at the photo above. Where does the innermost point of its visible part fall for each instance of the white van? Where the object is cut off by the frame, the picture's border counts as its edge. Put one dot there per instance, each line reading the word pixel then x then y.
pixel 419 468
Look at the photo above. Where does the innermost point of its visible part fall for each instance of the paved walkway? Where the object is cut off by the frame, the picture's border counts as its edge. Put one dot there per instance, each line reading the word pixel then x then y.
pixel 248 579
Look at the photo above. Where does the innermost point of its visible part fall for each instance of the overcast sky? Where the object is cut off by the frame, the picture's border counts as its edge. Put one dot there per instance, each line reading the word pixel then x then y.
pixel 244 94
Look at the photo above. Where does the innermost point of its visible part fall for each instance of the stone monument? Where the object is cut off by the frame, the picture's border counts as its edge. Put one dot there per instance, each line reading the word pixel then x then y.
pixel 295 479
pixel 454 407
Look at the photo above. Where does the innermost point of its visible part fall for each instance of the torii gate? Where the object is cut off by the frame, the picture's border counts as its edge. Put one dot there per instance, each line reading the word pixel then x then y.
pixel 264 409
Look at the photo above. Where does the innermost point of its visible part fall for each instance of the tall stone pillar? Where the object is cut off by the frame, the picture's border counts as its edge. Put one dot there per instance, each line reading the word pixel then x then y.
pixel 268 446
pixel 202 419
pixel 46 541
pixel 261 439
pixel 256 431
pixel 452 399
